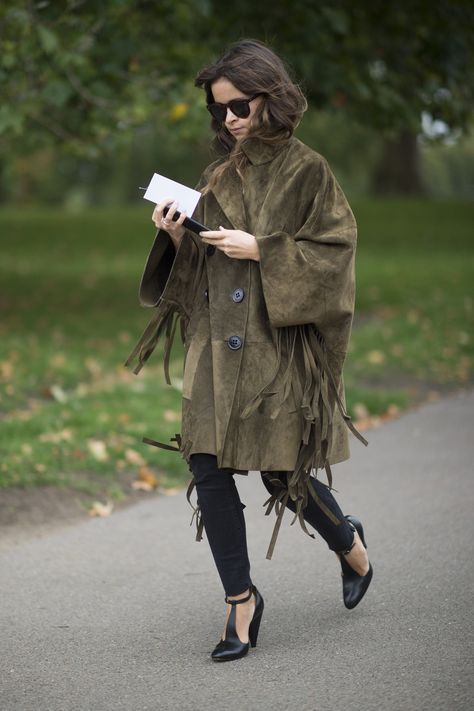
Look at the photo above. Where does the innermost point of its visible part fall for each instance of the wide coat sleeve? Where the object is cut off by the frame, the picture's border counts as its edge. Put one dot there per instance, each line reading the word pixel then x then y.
pixel 308 273
pixel 169 282
pixel 167 269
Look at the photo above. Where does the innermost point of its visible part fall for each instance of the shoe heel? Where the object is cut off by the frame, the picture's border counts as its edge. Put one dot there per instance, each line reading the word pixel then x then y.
pixel 358 526
pixel 354 586
pixel 253 630
pixel 231 647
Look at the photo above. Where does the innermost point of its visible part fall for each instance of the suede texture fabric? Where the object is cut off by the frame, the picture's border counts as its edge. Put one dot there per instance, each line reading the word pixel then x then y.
pixel 275 401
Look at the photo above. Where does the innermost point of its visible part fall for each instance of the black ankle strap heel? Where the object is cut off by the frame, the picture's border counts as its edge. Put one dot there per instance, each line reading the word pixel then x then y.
pixel 231 647
pixel 354 586
pixel 241 599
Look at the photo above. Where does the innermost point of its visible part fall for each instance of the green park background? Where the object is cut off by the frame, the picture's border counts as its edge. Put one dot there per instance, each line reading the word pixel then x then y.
pixel 97 96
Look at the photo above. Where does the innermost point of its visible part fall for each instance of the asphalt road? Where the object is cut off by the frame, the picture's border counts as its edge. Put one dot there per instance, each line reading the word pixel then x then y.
pixel 122 613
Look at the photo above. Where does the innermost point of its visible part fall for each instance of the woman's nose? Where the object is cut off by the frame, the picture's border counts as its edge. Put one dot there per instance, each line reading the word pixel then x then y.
pixel 229 116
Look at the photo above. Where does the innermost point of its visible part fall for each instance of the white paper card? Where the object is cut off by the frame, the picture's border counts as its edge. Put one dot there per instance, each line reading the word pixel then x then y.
pixel 161 188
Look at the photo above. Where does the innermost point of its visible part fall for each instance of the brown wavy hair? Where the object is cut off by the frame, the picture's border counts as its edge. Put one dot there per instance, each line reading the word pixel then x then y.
pixel 252 67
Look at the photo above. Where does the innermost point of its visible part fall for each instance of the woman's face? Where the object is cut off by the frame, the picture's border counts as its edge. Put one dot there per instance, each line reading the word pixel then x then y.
pixel 224 91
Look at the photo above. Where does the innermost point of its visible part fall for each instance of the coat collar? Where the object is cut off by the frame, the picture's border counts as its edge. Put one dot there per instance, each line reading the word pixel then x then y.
pixel 228 191
pixel 257 151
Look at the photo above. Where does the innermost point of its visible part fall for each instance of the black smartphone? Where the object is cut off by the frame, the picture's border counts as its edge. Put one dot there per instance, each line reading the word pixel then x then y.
pixel 189 223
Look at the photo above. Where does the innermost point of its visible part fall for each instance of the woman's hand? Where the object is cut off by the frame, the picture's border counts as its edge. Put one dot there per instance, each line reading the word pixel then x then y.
pixel 175 228
pixel 234 243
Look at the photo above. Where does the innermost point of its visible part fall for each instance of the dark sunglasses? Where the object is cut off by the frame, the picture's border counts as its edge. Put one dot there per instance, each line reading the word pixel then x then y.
pixel 239 107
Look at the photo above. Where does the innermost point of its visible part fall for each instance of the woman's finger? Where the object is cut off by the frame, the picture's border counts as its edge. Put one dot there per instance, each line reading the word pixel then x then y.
pixel 171 211
pixel 181 219
pixel 163 203
pixel 158 211
pixel 213 235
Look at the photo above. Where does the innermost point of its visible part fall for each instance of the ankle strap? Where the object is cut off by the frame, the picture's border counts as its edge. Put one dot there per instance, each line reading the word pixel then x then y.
pixel 242 599
pixel 353 528
pixel 349 549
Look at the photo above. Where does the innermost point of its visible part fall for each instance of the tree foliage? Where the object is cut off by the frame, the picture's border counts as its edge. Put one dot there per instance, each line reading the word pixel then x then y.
pixel 87 73
pixel 384 63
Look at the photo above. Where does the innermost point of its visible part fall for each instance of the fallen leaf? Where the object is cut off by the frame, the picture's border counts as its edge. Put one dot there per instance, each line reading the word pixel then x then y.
pixel 58 360
pixel 146 481
pixel 370 421
pixel 25 415
pixel 171 416
pixel 463 368
pixel 64 435
pixel 99 509
pixel 98 449
pixel 58 393
pixel 6 369
pixel 93 366
pixel 141 486
pixel 360 410
pixel 397 349
pixel 134 457
pixel 170 492
pixel 375 357
pixel 54 392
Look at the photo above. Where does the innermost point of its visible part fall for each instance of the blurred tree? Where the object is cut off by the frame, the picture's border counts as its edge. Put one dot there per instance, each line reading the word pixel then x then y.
pixel 86 74
pixel 384 64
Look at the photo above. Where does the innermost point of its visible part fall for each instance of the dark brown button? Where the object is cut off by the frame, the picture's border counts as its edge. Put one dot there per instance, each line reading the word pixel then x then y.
pixel 234 343
pixel 210 250
pixel 238 295
pixel 206 294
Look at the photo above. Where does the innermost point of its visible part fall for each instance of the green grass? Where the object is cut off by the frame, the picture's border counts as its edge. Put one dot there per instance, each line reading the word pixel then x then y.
pixel 70 315
pixel 415 276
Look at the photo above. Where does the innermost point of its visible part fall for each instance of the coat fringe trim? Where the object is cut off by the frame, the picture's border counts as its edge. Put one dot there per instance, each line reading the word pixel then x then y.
pixel 318 395
pixel 316 391
pixel 196 511
pixel 165 320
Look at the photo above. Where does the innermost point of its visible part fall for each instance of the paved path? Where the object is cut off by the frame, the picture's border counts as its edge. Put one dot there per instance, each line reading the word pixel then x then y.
pixel 121 613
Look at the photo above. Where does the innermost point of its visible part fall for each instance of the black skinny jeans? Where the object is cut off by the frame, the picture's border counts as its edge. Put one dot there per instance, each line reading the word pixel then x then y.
pixel 224 521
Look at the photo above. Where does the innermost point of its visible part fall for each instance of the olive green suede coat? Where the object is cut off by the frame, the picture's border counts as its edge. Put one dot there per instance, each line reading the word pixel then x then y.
pixel 265 342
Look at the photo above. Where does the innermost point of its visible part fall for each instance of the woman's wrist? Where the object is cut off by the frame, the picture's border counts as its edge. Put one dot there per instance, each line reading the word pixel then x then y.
pixel 256 250
pixel 176 240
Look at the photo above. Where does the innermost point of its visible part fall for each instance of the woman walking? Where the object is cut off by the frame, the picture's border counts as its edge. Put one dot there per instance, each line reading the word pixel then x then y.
pixel 265 306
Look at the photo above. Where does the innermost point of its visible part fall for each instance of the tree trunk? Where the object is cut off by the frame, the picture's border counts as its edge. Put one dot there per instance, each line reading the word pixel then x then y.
pixel 398 171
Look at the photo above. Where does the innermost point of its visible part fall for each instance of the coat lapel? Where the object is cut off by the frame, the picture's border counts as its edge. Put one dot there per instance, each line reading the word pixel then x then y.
pixel 228 193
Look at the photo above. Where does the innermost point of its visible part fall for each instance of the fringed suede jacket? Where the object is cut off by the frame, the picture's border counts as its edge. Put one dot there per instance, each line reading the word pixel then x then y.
pixel 265 342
